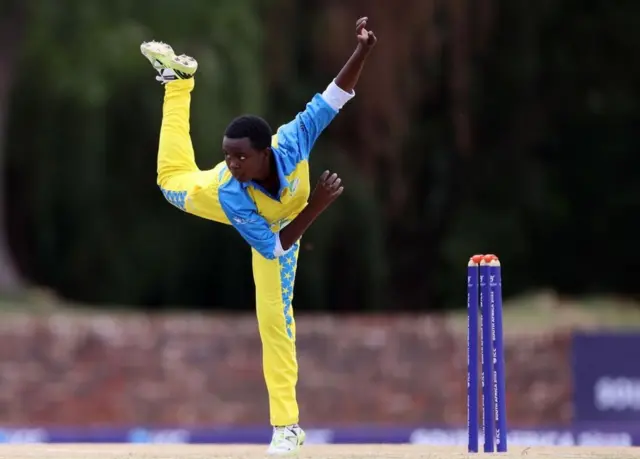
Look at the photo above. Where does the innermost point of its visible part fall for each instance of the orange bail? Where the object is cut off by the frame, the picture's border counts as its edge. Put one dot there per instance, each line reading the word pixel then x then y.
pixel 477 258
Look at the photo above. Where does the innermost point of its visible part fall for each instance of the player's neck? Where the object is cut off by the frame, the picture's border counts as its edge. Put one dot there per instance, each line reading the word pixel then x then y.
pixel 270 180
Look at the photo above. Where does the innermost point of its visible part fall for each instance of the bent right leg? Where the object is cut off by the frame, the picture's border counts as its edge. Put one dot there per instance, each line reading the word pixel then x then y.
pixel 178 174
pixel 175 150
pixel 176 166
pixel 180 180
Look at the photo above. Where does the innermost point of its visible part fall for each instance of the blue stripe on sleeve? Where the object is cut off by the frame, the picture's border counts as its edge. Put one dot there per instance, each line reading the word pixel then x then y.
pixel 298 136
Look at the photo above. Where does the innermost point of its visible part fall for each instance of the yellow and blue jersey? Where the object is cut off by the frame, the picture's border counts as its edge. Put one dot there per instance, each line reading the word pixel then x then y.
pixel 216 195
pixel 252 211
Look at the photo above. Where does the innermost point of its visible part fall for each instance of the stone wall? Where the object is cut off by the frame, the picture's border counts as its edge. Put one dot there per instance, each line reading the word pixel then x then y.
pixel 133 369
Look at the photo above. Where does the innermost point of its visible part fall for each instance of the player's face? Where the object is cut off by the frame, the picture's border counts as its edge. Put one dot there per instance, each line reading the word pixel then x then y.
pixel 244 162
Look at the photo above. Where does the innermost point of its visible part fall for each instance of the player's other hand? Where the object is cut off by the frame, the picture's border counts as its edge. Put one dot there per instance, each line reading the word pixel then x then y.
pixel 366 38
pixel 327 190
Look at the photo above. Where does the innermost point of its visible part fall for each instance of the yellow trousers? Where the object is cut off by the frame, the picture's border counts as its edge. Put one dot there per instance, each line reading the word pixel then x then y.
pixel 196 192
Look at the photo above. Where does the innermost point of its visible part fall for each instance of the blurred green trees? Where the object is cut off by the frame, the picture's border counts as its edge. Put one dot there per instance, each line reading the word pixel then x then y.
pixel 496 126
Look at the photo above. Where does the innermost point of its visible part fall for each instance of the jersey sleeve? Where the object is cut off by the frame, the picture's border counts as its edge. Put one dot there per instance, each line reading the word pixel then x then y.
pixel 298 136
pixel 244 217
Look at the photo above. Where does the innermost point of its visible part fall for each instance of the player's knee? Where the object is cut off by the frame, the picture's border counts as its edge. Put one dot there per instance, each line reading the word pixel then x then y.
pixel 163 177
pixel 268 317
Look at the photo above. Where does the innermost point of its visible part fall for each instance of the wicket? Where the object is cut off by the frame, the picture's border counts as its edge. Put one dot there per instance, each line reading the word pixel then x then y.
pixel 484 295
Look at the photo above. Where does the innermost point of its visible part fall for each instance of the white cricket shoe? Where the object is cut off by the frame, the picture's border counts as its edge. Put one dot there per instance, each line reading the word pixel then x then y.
pixel 169 66
pixel 286 441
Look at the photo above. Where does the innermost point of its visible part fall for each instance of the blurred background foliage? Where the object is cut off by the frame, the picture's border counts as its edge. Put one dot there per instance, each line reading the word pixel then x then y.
pixel 499 126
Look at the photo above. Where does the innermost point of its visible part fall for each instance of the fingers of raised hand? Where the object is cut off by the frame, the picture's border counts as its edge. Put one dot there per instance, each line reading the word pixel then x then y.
pixel 337 192
pixel 331 183
pixel 361 24
pixel 328 183
pixel 371 38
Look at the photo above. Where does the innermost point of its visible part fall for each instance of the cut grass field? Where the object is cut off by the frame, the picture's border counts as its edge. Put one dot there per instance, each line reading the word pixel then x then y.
pixel 126 451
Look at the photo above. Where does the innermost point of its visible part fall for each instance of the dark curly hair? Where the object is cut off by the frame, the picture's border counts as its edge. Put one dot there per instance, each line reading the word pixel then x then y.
pixel 256 129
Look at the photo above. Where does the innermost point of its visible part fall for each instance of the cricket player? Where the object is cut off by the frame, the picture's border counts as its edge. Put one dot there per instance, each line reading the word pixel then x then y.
pixel 262 190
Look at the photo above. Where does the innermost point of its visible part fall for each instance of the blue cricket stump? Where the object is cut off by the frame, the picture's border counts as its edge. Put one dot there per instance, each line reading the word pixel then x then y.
pixel 500 403
pixel 472 355
pixel 484 294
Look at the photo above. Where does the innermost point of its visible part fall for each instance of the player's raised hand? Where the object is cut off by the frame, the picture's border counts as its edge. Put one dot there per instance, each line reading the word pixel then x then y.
pixel 366 38
pixel 327 190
